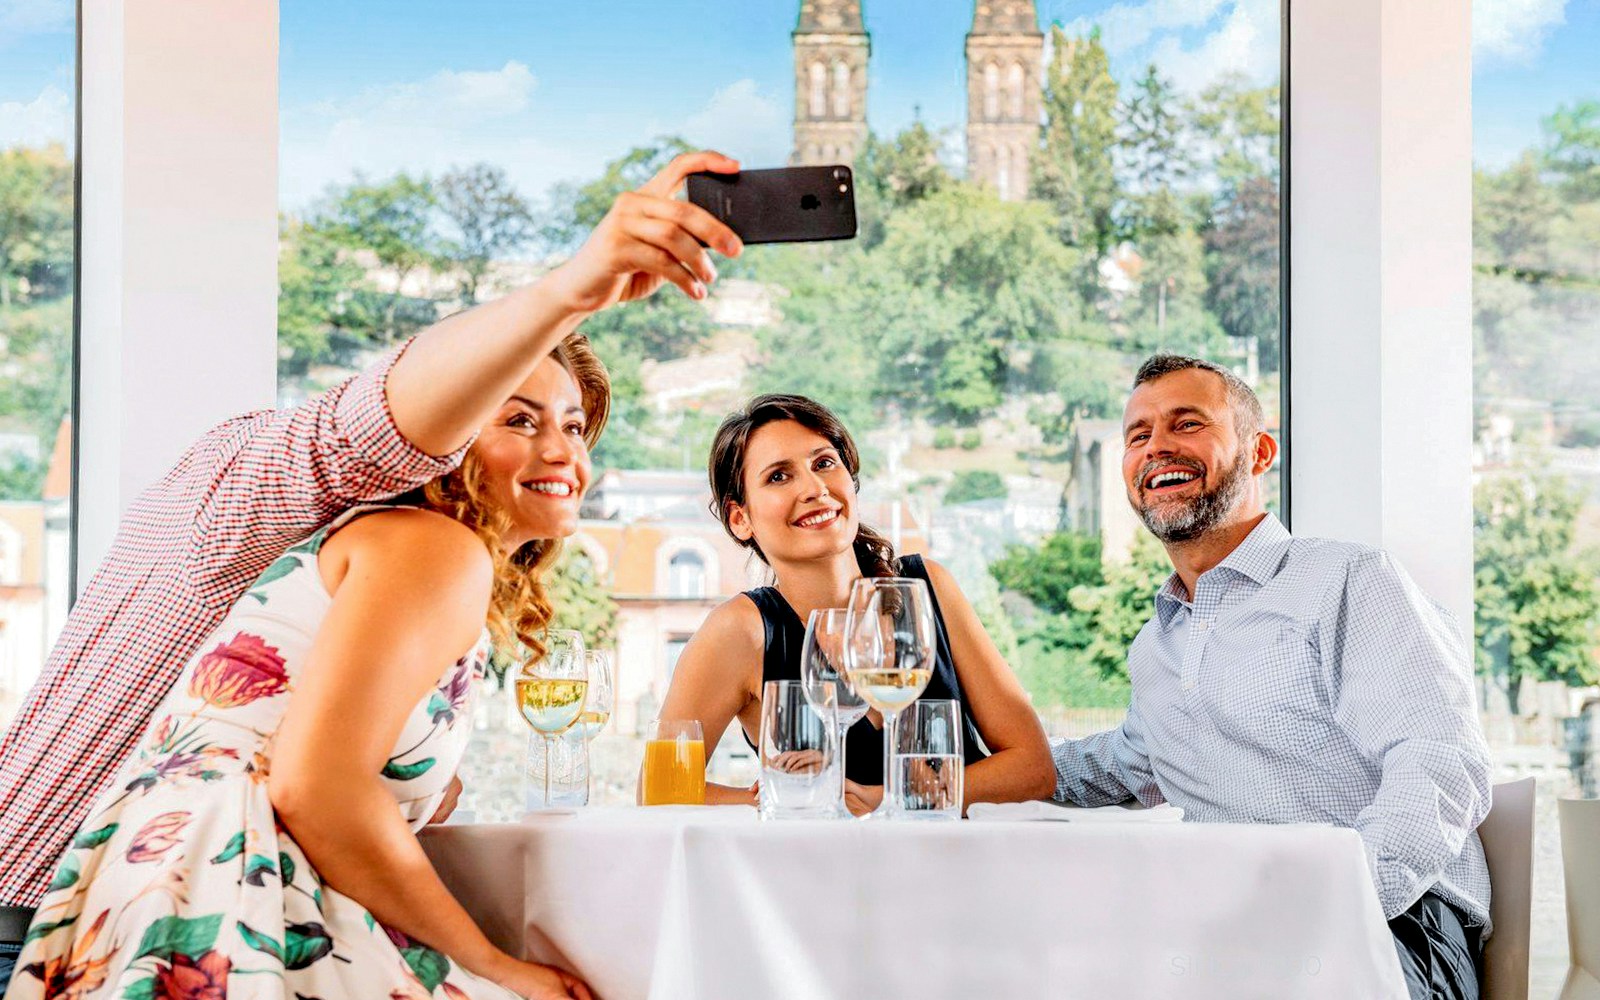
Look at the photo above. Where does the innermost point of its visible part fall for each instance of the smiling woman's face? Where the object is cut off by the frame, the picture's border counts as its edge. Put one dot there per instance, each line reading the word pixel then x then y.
pixel 535 462
pixel 800 501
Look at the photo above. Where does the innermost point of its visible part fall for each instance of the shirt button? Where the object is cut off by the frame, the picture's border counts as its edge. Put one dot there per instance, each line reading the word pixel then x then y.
pixel 1188 685
pixel 1201 625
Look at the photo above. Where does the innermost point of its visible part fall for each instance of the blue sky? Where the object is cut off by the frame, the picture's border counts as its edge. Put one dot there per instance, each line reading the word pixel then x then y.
pixel 550 91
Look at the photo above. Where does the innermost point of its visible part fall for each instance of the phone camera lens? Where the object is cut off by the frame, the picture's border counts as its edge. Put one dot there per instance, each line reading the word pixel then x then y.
pixel 840 173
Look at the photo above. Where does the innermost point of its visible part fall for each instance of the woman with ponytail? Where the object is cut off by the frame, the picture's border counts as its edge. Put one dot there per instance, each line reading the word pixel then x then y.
pixel 784 479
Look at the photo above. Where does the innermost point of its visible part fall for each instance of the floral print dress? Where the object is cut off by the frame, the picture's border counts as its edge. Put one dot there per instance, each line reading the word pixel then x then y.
pixel 182 884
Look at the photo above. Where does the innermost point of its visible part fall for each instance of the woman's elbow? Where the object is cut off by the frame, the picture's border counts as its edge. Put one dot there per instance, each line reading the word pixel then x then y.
pixel 1043 773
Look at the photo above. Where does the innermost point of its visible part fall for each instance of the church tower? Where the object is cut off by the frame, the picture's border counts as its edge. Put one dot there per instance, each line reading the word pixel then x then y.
pixel 1005 56
pixel 830 82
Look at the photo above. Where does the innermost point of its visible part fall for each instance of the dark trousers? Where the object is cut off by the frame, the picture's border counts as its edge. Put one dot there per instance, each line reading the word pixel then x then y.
pixel 8 962
pixel 1440 952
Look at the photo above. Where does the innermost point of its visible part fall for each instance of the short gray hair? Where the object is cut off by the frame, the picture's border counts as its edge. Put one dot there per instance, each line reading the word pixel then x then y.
pixel 1248 417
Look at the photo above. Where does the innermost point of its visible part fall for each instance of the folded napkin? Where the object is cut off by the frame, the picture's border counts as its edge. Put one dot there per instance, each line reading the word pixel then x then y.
pixel 1022 811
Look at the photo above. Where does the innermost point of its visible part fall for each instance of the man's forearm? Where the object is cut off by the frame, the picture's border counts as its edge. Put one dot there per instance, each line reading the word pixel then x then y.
pixel 459 371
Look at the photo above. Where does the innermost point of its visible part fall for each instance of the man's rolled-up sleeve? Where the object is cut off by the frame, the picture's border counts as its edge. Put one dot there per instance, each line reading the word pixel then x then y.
pixel 1106 768
pixel 274 477
pixel 1402 679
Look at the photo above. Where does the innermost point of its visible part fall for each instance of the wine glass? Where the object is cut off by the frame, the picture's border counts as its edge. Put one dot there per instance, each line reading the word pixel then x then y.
pixel 889 654
pixel 551 692
pixel 822 667
pixel 597 707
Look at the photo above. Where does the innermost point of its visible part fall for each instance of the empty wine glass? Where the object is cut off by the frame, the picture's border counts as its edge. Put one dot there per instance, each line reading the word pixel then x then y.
pixel 889 655
pixel 551 691
pixel 597 707
pixel 823 670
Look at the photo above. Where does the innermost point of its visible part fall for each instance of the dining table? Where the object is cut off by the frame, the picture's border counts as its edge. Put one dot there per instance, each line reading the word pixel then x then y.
pixel 702 903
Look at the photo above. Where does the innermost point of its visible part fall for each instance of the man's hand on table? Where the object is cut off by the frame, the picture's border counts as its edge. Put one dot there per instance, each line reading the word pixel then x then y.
pixel 447 805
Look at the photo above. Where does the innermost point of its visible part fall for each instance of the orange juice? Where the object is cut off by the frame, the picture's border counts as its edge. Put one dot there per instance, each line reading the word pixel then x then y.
pixel 675 773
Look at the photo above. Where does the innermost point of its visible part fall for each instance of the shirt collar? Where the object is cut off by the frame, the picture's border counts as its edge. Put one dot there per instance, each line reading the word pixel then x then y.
pixel 1257 558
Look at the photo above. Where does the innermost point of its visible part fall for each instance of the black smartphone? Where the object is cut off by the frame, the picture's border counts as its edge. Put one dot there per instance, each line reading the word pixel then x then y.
pixel 786 205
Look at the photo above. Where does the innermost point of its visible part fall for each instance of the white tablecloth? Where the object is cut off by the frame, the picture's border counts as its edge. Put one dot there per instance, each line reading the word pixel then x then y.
pixel 710 903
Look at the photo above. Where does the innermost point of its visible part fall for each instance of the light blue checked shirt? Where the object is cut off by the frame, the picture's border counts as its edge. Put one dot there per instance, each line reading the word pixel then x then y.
pixel 1308 681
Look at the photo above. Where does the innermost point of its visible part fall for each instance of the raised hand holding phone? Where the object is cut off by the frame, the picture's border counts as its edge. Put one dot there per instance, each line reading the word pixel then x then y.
pixel 648 239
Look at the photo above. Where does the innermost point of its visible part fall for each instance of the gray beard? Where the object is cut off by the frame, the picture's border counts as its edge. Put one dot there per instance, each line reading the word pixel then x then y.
pixel 1197 516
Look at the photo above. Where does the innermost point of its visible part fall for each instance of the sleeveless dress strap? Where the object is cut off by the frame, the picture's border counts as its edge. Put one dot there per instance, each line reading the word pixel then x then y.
pixel 315 542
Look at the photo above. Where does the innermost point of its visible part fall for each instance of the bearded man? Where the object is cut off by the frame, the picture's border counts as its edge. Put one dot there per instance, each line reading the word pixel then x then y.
pixel 1293 680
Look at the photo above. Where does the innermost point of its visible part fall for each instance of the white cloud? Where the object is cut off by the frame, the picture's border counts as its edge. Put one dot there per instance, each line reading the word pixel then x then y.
pixel 1513 30
pixel 1125 27
pixel 742 122
pixel 45 119
pixel 452 118
pixel 1192 42
pixel 33 17
pixel 1247 41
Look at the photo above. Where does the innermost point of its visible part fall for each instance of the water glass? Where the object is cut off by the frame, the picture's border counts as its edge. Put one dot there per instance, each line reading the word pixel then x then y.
pixel 674 764
pixel 799 763
pixel 928 761
pixel 567 760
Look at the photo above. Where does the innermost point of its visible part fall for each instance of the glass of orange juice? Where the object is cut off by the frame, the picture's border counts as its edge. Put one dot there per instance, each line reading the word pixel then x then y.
pixel 674 764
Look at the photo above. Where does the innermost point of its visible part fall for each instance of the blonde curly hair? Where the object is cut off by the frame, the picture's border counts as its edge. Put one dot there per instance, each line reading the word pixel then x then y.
pixel 519 609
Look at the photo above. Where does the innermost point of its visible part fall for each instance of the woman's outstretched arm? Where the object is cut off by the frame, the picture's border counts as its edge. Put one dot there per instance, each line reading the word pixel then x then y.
pixel 458 371
pixel 410 590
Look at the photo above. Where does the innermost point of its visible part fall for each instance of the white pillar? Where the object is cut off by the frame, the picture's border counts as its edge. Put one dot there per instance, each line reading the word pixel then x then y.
pixel 178 293
pixel 1380 335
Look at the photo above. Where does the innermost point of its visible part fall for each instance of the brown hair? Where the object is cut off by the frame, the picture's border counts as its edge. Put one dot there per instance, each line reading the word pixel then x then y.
pixel 874 555
pixel 519 608
pixel 1248 418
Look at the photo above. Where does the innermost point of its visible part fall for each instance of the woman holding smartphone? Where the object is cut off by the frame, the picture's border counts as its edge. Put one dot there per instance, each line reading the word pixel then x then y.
pixel 784 480
pixel 262 833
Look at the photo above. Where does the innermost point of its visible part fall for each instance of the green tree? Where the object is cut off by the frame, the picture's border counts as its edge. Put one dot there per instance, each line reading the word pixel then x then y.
pixel 489 217
pixel 581 599
pixel 1242 265
pixel 1513 212
pixel 36 224
pixel 1537 604
pixel 1047 574
pixel 36 351
pixel 971 485
pixel 1153 138
pixel 316 279
pixel 963 297
pixel 394 221
pixel 1115 611
pixel 576 210
pixel 890 174
pixel 1572 148
pixel 1075 171
pixel 1240 124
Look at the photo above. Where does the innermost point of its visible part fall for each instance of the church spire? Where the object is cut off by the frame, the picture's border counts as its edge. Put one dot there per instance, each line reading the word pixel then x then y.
pixel 831 48
pixel 1005 53
pixel 836 17
pixel 1005 17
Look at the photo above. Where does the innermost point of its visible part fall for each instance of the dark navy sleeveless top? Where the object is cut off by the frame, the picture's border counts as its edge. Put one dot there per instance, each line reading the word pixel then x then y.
pixel 785 635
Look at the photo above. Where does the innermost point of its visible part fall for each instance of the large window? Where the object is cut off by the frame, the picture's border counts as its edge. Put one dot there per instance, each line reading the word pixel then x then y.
pixel 37 128
pixel 1042 205
pixel 1536 328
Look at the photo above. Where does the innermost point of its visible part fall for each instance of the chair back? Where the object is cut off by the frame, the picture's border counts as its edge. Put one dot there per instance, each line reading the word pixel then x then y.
pixel 1507 835
pixel 1580 857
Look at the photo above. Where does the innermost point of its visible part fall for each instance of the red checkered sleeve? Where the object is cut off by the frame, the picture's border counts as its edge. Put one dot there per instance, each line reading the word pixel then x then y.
pixel 185 551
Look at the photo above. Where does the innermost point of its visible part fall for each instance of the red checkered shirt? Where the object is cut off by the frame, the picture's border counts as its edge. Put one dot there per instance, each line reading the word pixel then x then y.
pixel 187 548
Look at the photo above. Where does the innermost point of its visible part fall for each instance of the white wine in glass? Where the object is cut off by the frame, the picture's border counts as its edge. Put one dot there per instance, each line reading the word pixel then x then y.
pixel 551 692
pixel 889 655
